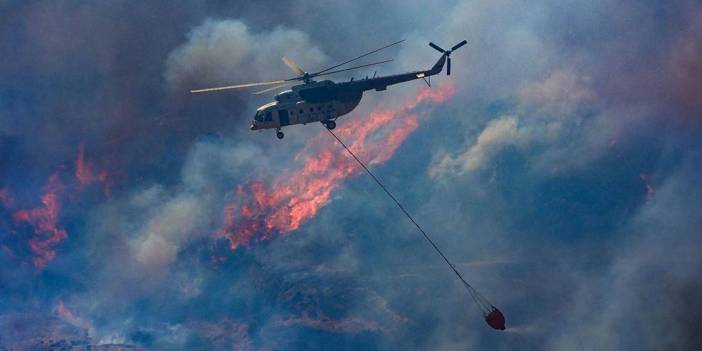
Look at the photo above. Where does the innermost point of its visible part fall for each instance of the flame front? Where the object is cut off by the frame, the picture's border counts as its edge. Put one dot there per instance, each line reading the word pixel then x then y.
pixel 86 175
pixel 65 313
pixel 258 211
pixel 44 221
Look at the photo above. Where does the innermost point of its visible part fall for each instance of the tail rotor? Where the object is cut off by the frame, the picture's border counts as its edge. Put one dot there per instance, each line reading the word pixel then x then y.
pixel 447 53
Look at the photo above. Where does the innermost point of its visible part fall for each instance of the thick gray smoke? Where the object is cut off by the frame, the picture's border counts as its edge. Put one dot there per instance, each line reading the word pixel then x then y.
pixel 221 52
pixel 561 177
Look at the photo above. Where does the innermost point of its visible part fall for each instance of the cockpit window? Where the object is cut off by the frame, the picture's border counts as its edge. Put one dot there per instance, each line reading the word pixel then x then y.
pixel 259 116
pixel 269 116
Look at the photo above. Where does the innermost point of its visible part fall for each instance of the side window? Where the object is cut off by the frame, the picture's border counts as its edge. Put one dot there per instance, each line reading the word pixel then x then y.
pixel 269 116
pixel 301 111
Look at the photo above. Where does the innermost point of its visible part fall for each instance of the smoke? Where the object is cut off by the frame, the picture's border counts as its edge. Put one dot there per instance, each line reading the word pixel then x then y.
pixel 644 279
pixel 165 221
pixel 684 65
pixel 498 134
pixel 558 94
pixel 226 51
pixel 296 198
pixel 569 146
pixel 177 221
pixel 649 187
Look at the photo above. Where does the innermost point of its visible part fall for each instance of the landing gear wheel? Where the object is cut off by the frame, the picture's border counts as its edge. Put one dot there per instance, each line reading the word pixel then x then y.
pixel 330 125
pixel 280 135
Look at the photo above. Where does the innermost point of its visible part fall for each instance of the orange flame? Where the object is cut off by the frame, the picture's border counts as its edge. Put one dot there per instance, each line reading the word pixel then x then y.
pixel 67 315
pixel 296 197
pixel 44 221
pixel 64 312
pixel 86 175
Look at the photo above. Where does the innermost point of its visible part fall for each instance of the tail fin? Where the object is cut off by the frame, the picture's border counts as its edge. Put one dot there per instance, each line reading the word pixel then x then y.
pixel 438 66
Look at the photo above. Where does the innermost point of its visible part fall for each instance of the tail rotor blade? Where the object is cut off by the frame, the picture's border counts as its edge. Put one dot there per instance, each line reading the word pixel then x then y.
pixel 448 66
pixel 437 47
pixel 459 45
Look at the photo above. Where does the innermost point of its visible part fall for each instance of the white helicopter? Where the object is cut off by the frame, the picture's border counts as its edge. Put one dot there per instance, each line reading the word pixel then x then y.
pixel 325 101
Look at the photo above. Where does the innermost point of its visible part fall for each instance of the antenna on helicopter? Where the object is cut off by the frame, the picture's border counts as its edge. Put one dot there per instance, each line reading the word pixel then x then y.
pixel 447 53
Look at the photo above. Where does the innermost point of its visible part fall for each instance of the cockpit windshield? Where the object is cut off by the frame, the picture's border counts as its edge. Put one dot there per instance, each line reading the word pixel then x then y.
pixel 264 116
pixel 265 112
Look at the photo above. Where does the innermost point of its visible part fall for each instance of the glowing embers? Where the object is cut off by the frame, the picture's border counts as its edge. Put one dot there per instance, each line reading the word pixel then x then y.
pixel 259 210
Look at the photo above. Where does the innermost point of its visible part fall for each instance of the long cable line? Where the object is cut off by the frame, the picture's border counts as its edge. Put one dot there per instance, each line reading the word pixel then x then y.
pixel 482 303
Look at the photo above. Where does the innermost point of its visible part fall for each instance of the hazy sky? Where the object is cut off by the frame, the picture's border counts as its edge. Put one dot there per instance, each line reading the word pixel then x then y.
pixel 557 166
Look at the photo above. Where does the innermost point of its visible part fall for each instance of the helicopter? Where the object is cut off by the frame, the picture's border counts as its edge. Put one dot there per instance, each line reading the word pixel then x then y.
pixel 324 101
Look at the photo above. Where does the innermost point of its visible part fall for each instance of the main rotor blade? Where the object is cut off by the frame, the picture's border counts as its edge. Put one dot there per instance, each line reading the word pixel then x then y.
pixel 436 47
pixel 348 69
pixel 272 88
pixel 354 59
pixel 459 45
pixel 293 66
pixel 238 86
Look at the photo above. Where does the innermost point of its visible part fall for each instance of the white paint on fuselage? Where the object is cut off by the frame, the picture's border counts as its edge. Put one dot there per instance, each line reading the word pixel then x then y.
pixel 272 115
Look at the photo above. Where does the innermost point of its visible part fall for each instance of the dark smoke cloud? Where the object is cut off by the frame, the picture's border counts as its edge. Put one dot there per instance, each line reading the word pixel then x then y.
pixel 561 177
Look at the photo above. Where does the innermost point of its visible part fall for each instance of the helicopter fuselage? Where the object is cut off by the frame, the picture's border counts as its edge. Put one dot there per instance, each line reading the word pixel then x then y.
pixel 325 101
pixel 306 103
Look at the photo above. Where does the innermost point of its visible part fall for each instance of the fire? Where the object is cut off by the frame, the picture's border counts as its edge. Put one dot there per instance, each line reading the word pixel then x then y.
pixel 258 210
pixel 64 312
pixel 85 174
pixel 67 315
pixel 44 221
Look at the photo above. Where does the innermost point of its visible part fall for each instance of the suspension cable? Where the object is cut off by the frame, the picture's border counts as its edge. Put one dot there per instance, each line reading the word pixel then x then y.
pixel 482 303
